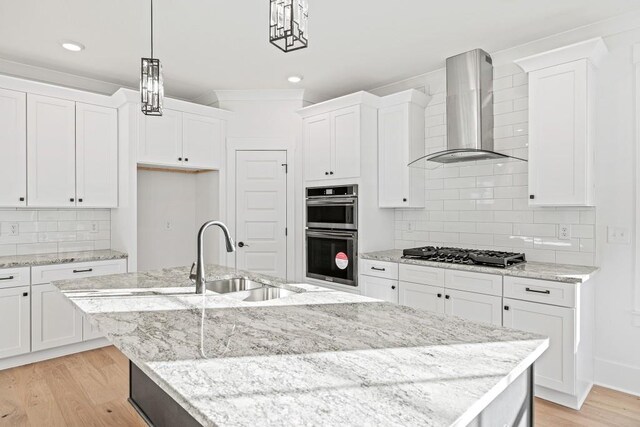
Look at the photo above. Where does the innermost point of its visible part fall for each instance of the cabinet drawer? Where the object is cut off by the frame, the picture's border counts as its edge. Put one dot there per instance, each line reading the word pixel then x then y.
pixel 48 273
pixel 470 281
pixel 422 275
pixel 387 270
pixel 14 277
pixel 556 293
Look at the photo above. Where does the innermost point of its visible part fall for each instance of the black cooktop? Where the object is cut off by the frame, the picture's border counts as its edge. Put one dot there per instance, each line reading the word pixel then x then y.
pixel 465 256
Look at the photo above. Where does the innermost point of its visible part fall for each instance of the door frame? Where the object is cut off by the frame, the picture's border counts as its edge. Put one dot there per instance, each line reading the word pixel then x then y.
pixel 228 193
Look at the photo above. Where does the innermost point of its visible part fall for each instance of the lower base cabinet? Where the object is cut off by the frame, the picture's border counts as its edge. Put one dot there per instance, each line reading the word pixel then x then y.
pixel 379 288
pixel 555 369
pixel 422 297
pixel 55 320
pixel 472 306
pixel 15 321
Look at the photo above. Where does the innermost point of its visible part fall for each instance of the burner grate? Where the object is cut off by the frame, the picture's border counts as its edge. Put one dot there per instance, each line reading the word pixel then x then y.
pixel 465 256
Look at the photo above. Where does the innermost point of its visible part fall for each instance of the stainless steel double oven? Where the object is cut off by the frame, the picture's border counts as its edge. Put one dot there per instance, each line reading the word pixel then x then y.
pixel 332 234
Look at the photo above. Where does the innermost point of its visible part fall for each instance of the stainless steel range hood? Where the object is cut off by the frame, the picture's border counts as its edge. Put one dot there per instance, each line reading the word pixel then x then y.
pixel 469 112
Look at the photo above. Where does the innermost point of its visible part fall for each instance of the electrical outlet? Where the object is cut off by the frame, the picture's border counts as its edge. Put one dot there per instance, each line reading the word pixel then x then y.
pixel 94 227
pixel 618 235
pixel 409 226
pixel 564 233
pixel 13 229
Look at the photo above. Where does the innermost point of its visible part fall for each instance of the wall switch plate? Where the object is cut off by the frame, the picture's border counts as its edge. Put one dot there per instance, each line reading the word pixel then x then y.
pixel 564 232
pixel 13 229
pixel 94 227
pixel 619 235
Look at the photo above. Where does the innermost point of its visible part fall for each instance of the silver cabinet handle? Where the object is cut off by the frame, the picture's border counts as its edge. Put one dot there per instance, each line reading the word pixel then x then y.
pixel 546 291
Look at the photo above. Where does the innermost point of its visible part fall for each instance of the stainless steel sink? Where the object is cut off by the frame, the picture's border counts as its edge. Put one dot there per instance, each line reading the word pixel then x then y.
pixel 266 293
pixel 238 284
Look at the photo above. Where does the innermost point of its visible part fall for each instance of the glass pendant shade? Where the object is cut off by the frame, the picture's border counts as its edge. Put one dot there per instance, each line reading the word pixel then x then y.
pixel 151 87
pixel 288 27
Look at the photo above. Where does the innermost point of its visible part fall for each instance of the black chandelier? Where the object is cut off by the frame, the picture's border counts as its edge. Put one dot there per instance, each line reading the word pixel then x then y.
pixel 288 27
pixel 151 85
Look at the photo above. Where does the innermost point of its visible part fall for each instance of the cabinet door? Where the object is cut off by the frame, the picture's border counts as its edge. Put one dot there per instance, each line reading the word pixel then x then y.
pixel 558 136
pixel 55 320
pixel 393 173
pixel 89 332
pixel 345 143
pixel 474 307
pixel 51 151
pixel 376 287
pixel 96 156
pixel 555 369
pixel 161 139
pixel 15 321
pixel 13 140
pixel 202 139
pixel 423 297
pixel 317 135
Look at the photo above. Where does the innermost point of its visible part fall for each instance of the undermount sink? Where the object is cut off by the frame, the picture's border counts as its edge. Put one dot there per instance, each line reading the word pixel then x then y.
pixel 266 293
pixel 225 286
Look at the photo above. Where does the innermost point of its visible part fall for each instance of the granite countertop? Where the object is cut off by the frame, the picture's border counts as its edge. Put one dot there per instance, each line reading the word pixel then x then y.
pixel 316 357
pixel 532 270
pixel 59 258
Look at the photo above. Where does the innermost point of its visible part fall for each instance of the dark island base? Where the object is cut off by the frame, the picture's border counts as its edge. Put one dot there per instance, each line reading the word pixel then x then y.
pixel 513 407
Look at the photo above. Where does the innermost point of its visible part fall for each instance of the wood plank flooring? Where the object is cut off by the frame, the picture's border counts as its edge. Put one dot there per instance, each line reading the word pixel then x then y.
pixel 90 389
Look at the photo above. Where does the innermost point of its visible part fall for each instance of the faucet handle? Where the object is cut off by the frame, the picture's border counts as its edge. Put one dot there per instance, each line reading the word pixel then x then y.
pixel 192 274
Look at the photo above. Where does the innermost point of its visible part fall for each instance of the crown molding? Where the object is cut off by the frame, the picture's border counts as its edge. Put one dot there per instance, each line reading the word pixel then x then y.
pixel 358 98
pixel 593 50
pixel 128 96
pixel 411 96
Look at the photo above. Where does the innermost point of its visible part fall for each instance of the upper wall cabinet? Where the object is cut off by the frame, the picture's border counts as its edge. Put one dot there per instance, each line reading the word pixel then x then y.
pixel 561 119
pixel 96 156
pixel 401 140
pixel 13 140
pixel 181 140
pixel 51 151
pixel 72 151
pixel 333 133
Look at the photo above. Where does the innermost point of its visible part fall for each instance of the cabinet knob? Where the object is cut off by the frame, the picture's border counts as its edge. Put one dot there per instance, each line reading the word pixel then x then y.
pixel 447 296
pixel 186 159
pixel 22 199
pixel 404 199
pixel 80 200
pixel 439 295
pixel 25 294
pixel 179 159
pixel 531 196
pixel 331 173
pixel 72 199
pixel 506 307
pixel 326 173
pixel 393 287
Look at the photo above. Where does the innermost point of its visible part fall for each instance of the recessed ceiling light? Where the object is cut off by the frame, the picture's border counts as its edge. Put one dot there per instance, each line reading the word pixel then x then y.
pixel 72 46
pixel 295 79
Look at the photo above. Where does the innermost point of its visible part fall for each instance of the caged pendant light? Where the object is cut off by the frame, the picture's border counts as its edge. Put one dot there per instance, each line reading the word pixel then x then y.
pixel 288 26
pixel 151 85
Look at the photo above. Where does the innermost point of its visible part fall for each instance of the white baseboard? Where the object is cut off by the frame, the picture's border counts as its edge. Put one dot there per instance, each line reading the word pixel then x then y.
pixel 52 353
pixel 564 399
pixel 617 376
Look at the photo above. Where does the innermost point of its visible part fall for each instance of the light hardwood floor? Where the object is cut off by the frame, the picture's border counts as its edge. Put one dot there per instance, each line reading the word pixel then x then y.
pixel 90 389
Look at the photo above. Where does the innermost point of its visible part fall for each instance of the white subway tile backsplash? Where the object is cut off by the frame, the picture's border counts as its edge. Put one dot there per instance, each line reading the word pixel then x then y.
pixel 486 204
pixel 36 248
pixel 17 215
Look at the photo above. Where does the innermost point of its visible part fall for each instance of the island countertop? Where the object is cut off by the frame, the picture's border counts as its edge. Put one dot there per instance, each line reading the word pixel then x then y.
pixel 531 269
pixel 317 357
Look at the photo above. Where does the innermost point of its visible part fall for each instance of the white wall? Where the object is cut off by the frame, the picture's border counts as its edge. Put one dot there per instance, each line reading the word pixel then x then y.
pixel 267 115
pixel 617 339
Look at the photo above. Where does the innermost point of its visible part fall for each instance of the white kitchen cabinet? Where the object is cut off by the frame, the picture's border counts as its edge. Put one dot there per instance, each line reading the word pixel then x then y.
pixel 13 140
pixel 379 288
pixel 96 156
pixel 474 307
pixel 181 140
pixel 401 133
pixel 317 136
pixel 89 332
pixel 422 297
pixel 15 312
pixel 555 369
pixel 55 320
pixel 51 152
pixel 202 141
pixel 561 124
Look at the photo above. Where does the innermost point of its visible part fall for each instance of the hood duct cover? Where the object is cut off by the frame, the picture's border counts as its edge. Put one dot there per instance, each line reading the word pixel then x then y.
pixel 469 111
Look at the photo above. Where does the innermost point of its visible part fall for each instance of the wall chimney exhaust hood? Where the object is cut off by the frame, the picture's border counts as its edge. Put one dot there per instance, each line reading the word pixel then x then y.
pixel 469 112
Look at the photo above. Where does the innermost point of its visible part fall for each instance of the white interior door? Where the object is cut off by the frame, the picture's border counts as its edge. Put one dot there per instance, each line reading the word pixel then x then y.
pixel 261 212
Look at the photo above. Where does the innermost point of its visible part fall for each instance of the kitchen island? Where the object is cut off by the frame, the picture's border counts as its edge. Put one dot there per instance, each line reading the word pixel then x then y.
pixel 314 357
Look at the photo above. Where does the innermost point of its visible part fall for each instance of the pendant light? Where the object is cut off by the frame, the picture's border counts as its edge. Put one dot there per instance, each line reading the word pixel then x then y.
pixel 288 26
pixel 151 85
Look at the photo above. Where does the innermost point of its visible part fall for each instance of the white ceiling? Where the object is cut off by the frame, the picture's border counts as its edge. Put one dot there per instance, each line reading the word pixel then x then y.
pixel 215 44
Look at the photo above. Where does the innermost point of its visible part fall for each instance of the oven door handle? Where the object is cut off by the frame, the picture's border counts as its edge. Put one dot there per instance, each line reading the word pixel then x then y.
pixel 330 234
pixel 333 202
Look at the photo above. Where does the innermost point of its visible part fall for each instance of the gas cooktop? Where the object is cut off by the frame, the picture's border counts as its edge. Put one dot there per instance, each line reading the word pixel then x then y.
pixel 465 256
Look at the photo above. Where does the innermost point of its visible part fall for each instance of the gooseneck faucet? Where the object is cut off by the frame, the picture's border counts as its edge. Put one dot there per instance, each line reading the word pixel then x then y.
pixel 200 274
